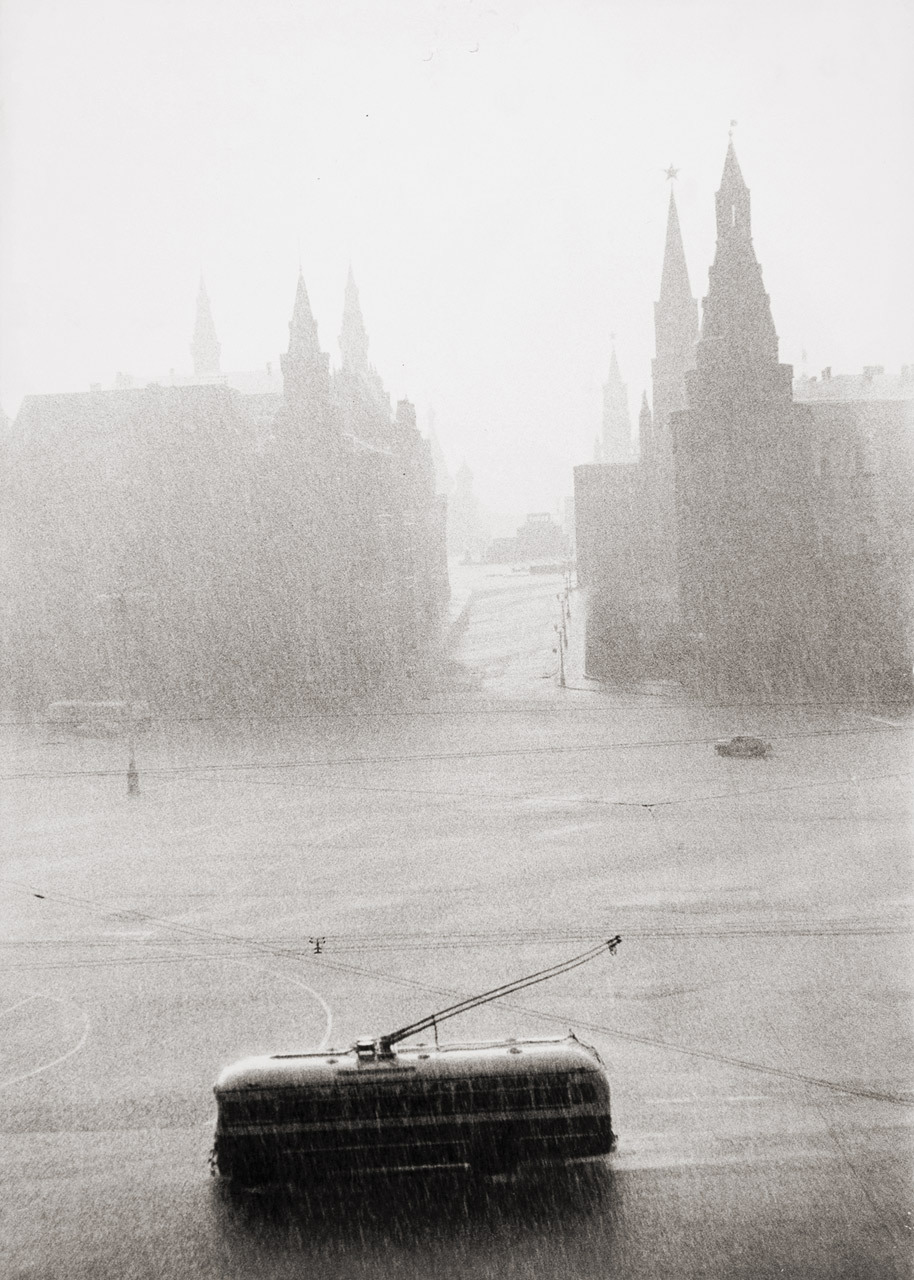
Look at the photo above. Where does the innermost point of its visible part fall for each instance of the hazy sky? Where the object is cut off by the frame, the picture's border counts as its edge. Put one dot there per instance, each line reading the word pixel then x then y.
pixel 493 170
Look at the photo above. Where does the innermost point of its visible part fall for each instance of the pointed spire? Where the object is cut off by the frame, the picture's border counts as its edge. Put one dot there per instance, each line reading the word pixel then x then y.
pixel 303 340
pixel 205 349
pixel 353 338
pixel 674 279
pixel 675 327
pixel 732 176
pixel 617 428
pixel 305 371
pixel 615 377
pixel 732 199
pixel 737 310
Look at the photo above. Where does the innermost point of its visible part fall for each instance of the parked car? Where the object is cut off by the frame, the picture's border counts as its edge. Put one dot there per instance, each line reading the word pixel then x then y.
pixel 743 748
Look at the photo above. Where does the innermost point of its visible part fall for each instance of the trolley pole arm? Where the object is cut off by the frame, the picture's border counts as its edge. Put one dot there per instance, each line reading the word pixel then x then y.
pixel 385 1043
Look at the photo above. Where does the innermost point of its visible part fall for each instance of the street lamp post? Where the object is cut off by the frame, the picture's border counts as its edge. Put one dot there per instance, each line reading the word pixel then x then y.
pixel 120 600
pixel 560 648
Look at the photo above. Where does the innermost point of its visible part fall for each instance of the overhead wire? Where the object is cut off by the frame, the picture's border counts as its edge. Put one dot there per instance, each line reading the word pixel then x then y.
pixel 322 961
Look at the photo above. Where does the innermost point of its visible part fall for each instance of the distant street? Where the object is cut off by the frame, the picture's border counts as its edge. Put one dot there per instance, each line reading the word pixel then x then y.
pixel 756 1020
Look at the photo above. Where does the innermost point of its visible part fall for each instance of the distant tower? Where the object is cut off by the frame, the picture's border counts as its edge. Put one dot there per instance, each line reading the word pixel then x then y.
pixel 738 339
pixel 675 336
pixel 406 415
pixel 305 368
pixel 353 338
pixel 744 478
pixel 205 348
pixel 358 389
pixel 463 531
pixel 675 327
pixel 617 427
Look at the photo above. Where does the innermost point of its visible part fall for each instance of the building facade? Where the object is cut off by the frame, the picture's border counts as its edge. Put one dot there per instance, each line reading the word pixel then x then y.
pixel 199 547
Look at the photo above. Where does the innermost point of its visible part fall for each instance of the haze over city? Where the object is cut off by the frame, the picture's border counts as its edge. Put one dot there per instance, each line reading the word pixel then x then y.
pixel 493 173
pixel 456 528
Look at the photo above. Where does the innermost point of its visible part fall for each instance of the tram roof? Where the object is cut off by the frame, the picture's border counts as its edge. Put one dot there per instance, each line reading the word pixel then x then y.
pixel 502 1057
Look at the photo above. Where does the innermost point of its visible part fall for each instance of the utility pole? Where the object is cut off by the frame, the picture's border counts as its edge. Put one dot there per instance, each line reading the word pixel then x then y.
pixel 119 598
pixel 133 777
pixel 560 648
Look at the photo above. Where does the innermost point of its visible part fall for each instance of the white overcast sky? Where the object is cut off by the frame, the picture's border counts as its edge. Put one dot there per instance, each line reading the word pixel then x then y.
pixel 493 171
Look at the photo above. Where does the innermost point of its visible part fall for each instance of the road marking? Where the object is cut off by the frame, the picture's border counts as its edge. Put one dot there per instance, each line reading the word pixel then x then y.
pixel 55 1062
pixel 18 1005
pixel 277 973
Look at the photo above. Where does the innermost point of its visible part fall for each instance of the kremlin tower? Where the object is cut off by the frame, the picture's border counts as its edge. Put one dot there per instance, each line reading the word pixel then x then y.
pixel 205 349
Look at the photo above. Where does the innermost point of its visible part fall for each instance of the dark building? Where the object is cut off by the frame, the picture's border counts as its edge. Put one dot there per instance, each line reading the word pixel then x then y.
pixel 762 544
pixel 200 547
pixel 539 538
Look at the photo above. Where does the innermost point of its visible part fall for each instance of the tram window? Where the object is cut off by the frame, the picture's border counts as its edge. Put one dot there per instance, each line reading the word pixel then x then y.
pixel 384 1106
pixel 550 1094
pixel 326 1108
pixel 463 1095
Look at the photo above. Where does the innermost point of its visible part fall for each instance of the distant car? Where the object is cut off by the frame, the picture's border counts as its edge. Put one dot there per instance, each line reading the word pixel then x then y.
pixel 743 747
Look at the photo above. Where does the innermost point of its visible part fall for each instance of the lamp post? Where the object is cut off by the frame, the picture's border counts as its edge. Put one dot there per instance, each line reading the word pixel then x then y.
pixel 120 599
pixel 560 648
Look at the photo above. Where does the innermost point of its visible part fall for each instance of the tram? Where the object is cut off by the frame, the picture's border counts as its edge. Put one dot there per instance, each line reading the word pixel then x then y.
pixel 489 1108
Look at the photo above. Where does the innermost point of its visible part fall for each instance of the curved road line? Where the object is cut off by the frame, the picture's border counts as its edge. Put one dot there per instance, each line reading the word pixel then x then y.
pixel 18 1004
pixel 277 973
pixel 55 1062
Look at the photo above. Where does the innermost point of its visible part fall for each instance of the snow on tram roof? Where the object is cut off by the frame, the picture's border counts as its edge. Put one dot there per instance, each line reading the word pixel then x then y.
pixel 509 1056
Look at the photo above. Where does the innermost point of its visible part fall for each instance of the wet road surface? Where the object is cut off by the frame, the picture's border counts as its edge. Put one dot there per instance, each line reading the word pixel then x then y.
pixel 756 1021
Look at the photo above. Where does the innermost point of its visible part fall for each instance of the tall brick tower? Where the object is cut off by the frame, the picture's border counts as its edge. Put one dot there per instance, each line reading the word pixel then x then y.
pixel 743 477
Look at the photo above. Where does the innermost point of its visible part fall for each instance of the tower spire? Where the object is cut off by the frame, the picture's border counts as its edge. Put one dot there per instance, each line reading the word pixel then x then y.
pixel 305 371
pixel 737 310
pixel 204 349
pixel 674 279
pixel 303 338
pixel 617 427
pixel 353 338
